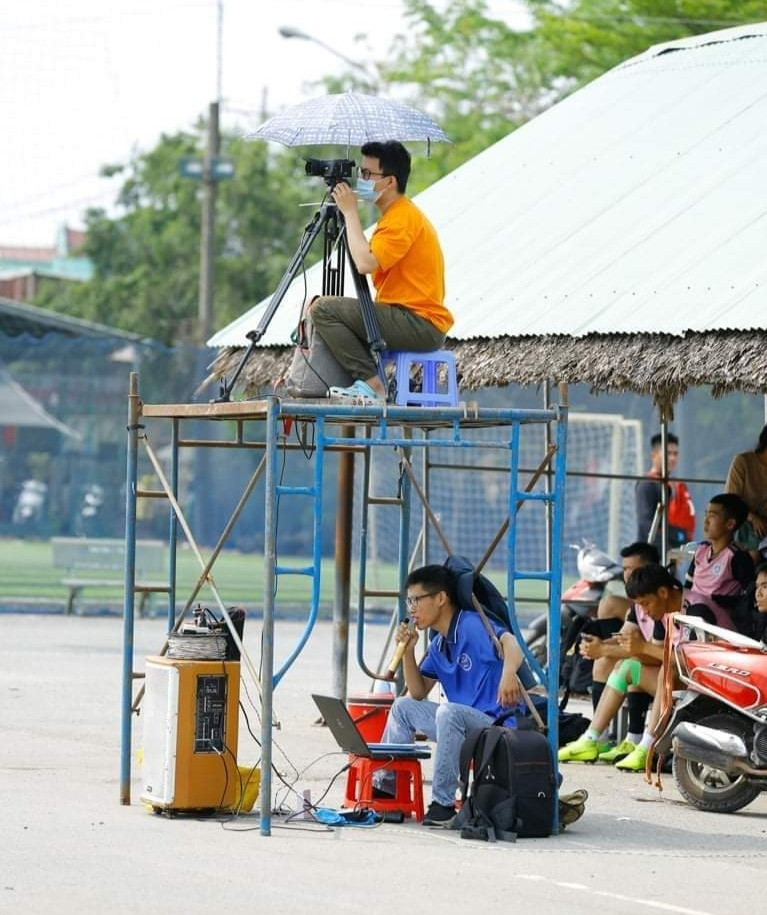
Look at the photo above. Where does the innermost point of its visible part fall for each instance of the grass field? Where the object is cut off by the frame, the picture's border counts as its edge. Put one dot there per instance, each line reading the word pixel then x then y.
pixel 27 575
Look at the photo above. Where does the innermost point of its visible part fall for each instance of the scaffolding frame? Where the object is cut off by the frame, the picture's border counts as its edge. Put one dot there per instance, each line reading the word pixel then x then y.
pixel 350 430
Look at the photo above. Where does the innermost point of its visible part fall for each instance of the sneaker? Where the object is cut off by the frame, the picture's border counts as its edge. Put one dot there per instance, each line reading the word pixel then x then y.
pixel 584 749
pixel 360 393
pixel 439 815
pixel 617 752
pixel 634 762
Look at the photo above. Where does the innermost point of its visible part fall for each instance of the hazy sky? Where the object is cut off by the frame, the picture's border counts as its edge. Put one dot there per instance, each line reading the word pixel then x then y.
pixel 86 82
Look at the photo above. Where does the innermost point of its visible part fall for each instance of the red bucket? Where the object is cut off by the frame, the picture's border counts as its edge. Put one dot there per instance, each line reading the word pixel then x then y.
pixel 370 713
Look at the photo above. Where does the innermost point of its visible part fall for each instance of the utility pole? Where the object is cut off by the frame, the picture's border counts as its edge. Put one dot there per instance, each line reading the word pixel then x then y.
pixel 208 228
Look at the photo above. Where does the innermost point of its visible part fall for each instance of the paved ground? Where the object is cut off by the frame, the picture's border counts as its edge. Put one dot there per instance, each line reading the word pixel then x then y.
pixel 68 845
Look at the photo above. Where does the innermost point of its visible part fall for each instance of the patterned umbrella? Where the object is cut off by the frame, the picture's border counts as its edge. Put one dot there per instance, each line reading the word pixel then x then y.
pixel 349 119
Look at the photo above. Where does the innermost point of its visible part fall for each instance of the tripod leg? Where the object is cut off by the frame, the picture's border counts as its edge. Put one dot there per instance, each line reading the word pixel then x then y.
pixel 372 331
pixel 320 221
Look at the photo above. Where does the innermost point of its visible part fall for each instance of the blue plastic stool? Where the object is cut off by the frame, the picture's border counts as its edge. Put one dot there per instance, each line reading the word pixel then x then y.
pixel 432 366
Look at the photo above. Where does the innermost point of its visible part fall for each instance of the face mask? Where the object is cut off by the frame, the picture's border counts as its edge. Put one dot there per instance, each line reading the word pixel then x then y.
pixel 366 190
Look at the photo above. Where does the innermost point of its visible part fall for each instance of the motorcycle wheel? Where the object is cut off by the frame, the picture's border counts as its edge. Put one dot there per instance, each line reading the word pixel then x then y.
pixel 712 789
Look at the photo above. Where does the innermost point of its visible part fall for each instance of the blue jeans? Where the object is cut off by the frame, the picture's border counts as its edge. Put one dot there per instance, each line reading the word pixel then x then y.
pixel 447 723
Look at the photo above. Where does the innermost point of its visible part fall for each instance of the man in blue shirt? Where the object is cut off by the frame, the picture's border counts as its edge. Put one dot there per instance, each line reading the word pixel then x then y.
pixel 478 685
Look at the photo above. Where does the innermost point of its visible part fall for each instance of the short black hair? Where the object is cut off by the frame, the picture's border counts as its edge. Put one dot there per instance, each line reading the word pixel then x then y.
pixel 655 441
pixel 735 508
pixel 650 579
pixel 434 578
pixel 393 158
pixel 646 551
pixel 762 567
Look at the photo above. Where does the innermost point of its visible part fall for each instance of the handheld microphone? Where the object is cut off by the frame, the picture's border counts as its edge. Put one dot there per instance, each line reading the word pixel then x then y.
pixel 397 656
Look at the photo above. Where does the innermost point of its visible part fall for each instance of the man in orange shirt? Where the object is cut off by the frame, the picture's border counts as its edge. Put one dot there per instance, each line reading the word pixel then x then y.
pixel 404 258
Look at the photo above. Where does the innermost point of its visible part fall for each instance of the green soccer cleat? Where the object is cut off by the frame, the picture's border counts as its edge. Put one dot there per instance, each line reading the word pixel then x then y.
pixel 634 762
pixel 584 749
pixel 617 752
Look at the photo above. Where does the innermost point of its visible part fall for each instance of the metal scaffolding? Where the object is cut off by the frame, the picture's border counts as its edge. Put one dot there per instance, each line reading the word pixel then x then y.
pixel 354 432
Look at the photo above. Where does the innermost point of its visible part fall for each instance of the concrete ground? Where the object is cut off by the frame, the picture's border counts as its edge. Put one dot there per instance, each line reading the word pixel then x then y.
pixel 69 845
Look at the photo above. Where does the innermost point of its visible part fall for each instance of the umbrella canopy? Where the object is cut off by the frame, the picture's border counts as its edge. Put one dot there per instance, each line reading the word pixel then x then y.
pixel 349 119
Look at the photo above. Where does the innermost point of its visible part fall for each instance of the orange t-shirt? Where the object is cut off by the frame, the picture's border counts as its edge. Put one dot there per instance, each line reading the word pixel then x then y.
pixel 412 268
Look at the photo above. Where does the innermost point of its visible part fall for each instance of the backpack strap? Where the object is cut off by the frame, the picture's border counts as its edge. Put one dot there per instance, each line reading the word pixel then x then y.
pixel 468 747
pixel 499 651
pixel 493 736
pixel 486 623
pixel 534 713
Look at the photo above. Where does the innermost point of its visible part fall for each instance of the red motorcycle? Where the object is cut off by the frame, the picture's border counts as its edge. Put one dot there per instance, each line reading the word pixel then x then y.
pixel 579 601
pixel 718 724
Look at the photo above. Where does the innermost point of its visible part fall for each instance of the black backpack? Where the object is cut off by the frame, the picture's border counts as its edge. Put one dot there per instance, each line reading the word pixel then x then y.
pixel 472 587
pixel 513 787
pixel 468 581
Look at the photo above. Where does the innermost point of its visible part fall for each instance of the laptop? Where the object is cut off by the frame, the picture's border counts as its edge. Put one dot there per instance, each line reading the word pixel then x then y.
pixel 349 739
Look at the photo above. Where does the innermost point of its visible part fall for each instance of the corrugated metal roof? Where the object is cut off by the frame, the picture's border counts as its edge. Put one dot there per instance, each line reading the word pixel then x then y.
pixel 638 204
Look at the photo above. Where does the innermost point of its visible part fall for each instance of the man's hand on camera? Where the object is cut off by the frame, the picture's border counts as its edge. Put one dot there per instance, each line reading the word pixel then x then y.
pixel 344 197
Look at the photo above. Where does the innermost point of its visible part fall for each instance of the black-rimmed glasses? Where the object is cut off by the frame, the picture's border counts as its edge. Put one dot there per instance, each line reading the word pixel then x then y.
pixel 413 601
pixel 366 174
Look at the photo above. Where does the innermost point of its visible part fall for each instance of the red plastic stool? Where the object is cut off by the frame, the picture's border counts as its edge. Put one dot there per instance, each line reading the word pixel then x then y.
pixel 408 791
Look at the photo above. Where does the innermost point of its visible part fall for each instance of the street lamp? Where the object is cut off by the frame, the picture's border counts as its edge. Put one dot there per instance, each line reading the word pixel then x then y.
pixel 288 31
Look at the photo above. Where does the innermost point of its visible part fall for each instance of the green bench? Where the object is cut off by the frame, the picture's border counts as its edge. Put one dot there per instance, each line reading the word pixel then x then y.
pixel 85 557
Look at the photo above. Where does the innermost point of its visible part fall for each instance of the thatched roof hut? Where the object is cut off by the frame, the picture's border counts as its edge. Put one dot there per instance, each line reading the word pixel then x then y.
pixel 618 239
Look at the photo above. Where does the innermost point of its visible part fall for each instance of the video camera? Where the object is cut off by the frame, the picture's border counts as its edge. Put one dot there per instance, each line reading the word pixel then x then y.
pixel 332 170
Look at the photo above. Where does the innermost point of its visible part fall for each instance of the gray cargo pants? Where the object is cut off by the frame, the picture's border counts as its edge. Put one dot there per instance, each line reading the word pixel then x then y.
pixel 338 320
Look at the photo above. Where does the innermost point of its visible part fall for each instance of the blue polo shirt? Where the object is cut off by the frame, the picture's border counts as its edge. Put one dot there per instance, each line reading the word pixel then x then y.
pixel 465 663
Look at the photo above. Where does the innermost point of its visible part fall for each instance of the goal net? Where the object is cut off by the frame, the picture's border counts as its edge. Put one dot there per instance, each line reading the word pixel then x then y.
pixel 468 491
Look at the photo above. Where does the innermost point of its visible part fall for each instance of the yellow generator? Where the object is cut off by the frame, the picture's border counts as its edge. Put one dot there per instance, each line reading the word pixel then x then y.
pixel 191 716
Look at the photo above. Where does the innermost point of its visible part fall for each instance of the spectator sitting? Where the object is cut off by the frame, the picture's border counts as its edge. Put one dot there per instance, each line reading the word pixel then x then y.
pixel 761 602
pixel 756 625
pixel 405 260
pixel 719 577
pixel 720 572
pixel 600 643
pixel 747 478
pixel 638 648
pixel 479 685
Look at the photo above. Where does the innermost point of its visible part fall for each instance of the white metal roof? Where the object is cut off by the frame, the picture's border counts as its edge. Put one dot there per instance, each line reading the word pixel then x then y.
pixel 638 204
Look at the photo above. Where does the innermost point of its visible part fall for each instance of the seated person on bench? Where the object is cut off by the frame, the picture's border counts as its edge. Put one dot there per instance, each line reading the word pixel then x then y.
pixel 405 260
pixel 479 685
pixel 608 655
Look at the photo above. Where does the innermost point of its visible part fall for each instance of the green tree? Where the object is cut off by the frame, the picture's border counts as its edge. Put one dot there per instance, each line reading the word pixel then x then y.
pixel 146 260
pixel 474 74
pixel 583 39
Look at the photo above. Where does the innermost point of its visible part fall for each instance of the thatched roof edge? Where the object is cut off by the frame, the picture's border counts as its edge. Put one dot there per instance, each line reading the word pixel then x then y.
pixel 662 366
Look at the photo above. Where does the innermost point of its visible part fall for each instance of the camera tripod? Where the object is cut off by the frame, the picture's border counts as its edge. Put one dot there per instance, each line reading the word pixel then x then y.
pixel 330 222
